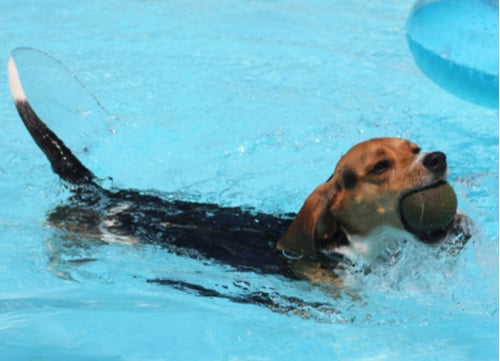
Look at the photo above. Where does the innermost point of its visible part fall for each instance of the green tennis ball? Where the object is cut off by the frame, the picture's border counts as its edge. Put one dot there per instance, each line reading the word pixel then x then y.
pixel 430 209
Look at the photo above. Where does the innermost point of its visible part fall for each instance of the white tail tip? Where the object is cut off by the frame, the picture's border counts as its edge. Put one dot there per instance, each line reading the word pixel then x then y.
pixel 16 88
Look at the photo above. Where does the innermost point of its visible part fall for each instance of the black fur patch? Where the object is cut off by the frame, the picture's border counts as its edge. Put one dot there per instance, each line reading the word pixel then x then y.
pixel 349 178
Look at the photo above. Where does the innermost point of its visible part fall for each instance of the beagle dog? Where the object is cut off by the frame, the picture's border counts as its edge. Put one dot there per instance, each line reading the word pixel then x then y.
pixel 356 212
pixel 353 215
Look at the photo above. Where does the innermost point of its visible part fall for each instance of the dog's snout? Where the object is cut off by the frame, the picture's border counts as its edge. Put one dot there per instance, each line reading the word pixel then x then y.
pixel 435 162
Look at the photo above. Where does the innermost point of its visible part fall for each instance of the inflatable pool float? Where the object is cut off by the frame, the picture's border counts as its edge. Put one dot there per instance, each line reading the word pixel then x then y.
pixel 455 43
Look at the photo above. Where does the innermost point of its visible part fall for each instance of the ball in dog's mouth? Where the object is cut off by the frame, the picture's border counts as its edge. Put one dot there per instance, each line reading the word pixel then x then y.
pixel 430 209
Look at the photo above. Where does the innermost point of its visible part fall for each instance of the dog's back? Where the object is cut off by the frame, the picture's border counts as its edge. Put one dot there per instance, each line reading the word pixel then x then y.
pixel 242 238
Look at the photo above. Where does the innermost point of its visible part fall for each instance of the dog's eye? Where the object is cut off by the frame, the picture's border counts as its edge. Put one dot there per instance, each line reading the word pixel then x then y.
pixel 381 167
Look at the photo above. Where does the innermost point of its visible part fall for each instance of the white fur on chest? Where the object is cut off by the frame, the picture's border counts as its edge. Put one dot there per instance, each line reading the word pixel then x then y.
pixel 379 243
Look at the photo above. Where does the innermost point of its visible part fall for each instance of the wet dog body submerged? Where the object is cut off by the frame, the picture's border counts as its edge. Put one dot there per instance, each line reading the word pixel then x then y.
pixel 241 238
pixel 354 214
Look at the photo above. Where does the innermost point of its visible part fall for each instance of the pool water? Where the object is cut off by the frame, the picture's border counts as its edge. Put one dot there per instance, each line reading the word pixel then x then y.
pixel 239 103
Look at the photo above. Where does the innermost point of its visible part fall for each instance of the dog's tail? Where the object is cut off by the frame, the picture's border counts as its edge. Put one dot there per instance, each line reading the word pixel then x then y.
pixel 63 161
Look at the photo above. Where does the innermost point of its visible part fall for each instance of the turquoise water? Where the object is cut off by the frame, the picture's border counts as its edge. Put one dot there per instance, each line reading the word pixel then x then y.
pixel 242 104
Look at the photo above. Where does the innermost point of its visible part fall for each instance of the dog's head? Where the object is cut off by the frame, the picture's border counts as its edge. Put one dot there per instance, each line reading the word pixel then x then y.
pixel 364 192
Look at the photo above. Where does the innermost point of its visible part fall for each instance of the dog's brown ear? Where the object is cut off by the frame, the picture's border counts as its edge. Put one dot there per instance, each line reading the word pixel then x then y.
pixel 314 221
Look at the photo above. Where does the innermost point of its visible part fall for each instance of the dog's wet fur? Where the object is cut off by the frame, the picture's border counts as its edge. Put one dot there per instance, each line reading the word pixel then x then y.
pixel 361 196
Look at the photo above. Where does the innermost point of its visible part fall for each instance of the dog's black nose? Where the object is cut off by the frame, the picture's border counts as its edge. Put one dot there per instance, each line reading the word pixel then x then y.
pixel 435 162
